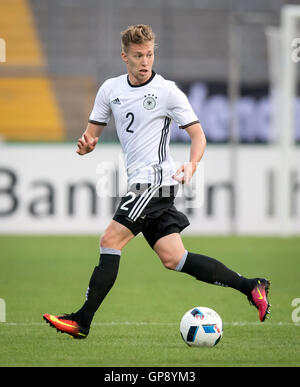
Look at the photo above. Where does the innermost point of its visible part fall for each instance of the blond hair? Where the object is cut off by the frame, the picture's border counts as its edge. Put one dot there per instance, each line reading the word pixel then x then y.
pixel 137 34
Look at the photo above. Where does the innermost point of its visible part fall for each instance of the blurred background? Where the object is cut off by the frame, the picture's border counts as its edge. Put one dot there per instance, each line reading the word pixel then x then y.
pixel 237 61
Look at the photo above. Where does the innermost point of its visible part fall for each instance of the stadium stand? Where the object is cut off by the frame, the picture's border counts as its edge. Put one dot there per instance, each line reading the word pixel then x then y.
pixel 28 106
pixel 59 51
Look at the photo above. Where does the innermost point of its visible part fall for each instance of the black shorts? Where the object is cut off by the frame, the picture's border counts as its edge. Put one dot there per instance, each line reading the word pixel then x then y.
pixel 149 209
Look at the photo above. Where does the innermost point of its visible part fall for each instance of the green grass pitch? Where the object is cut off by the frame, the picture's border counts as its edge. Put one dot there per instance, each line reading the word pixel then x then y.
pixel 138 323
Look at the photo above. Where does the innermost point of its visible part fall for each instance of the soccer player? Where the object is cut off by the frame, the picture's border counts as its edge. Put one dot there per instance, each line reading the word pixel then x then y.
pixel 143 104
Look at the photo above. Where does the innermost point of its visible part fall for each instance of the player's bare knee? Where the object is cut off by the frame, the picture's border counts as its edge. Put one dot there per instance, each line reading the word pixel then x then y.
pixel 168 260
pixel 108 240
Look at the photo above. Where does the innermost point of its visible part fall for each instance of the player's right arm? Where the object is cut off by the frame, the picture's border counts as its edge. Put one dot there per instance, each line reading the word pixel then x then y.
pixel 98 119
pixel 89 139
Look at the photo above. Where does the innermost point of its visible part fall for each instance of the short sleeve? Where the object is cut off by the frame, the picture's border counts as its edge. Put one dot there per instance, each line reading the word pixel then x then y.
pixel 179 108
pixel 101 112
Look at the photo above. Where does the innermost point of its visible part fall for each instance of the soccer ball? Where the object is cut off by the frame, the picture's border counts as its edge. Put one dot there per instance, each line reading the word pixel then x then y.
pixel 201 327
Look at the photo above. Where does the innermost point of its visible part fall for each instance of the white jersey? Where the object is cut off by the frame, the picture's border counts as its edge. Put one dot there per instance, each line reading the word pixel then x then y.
pixel 142 115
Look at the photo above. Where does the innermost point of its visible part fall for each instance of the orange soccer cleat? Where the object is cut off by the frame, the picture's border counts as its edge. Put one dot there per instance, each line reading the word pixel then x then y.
pixel 67 324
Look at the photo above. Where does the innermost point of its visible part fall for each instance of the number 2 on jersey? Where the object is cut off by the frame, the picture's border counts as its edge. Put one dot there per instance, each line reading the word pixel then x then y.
pixel 132 197
pixel 131 115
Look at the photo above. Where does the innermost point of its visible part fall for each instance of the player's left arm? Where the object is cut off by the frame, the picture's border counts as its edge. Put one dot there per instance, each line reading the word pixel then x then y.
pixel 198 143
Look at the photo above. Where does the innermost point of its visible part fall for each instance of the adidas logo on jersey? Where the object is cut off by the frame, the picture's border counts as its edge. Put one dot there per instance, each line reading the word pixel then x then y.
pixel 116 101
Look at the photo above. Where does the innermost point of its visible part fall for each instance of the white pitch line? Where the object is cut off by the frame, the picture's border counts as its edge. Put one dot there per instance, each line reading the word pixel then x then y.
pixel 133 323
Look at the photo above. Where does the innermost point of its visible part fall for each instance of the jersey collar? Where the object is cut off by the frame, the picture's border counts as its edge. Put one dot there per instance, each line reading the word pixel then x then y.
pixel 142 84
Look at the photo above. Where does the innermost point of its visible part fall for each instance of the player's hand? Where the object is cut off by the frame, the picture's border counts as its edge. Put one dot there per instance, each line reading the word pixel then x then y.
pixel 86 144
pixel 185 173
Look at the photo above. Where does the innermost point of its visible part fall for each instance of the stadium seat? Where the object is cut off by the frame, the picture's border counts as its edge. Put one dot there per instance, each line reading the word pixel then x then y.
pixel 28 106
